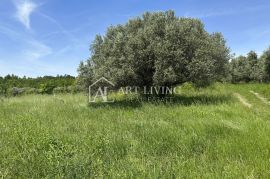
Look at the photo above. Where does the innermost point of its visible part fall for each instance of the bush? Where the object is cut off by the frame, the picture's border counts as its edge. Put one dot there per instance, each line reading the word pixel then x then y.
pixel 31 91
pixel 71 89
pixel 59 90
pixel 46 88
pixel 15 91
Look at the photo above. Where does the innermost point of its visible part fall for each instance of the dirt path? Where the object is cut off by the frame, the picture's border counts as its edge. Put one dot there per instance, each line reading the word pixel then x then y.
pixel 242 100
pixel 264 100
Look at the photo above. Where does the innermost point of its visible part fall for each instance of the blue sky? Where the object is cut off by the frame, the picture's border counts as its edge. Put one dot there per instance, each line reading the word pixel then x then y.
pixel 50 37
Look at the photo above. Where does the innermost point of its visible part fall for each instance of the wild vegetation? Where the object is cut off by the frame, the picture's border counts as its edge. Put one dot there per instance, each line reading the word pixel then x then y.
pixel 205 133
pixel 12 85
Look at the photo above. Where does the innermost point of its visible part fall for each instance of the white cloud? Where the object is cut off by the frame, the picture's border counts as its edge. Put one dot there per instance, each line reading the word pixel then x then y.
pixel 36 50
pixel 30 48
pixel 24 10
pixel 62 29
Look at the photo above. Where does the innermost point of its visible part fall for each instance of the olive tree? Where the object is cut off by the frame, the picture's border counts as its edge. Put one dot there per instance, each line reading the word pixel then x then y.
pixel 157 49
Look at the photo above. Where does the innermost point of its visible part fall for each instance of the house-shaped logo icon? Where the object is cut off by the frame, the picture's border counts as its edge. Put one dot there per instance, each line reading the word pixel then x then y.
pixel 99 90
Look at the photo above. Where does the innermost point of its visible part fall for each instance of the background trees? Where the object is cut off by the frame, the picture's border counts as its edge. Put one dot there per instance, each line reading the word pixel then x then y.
pixel 266 60
pixel 248 68
pixel 157 49
pixel 240 69
pixel 14 85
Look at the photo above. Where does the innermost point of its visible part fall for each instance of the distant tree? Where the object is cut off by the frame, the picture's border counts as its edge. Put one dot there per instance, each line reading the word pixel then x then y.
pixel 240 69
pixel 3 87
pixel 266 58
pixel 247 69
pixel 258 73
pixel 255 68
pixel 252 56
pixel 157 49
pixel 86 75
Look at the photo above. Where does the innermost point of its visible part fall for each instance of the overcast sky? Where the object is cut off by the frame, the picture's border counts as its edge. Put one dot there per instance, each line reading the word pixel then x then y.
pixel 50 37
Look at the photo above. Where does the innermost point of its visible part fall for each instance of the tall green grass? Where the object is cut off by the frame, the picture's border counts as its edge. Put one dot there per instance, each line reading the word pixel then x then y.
pixel 204 133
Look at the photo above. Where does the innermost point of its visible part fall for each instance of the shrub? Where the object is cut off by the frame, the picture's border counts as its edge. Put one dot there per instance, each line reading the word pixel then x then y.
pixel 46 88
pixel 15 91
pixel 58 90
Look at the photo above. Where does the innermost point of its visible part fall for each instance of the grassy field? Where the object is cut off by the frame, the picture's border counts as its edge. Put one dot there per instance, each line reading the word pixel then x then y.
pixel 209 133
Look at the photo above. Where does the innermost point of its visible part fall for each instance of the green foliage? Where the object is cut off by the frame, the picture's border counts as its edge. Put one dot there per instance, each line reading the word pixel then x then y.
pixel 266 58
pixel 13 85
pixel 247 69
pixel 46 88
pixel 31 91
pixel 240 69
pixel 58 90
pixel 15 91
pixel 157 49
pixel 85 78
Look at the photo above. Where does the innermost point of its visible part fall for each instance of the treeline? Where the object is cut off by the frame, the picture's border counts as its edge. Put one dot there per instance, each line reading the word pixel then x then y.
pixel 12 85
pixel 250 68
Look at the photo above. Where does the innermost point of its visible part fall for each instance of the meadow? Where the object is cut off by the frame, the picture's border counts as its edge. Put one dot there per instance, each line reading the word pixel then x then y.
pixel 222 131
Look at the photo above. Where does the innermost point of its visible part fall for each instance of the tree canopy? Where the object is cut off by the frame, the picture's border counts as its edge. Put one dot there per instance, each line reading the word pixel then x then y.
pixel 157 49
